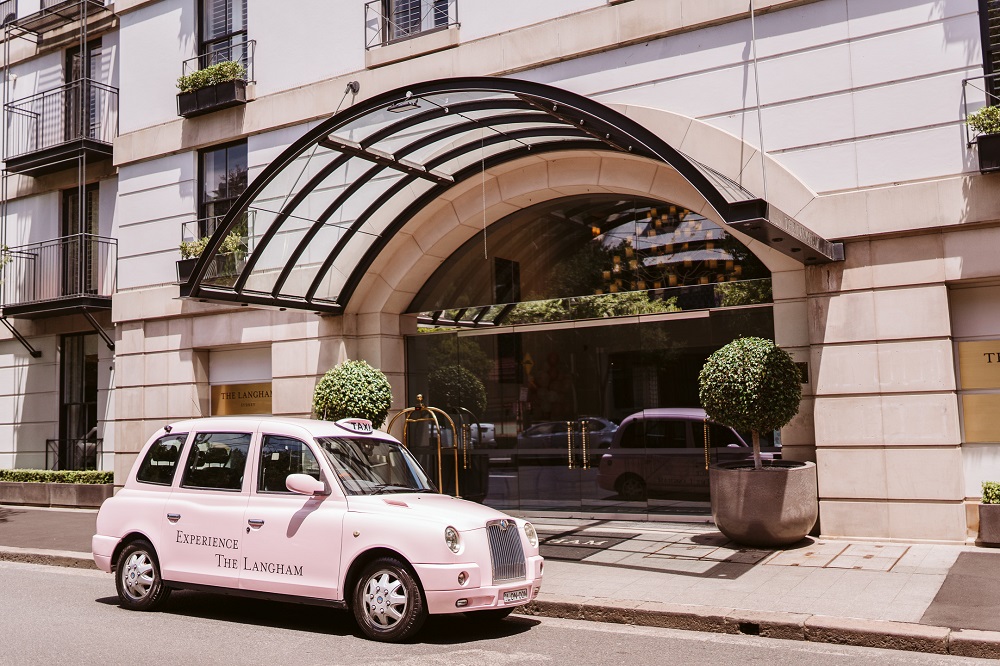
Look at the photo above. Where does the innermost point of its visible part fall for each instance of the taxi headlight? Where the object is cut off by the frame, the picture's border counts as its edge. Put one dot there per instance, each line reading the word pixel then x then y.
pixel 529 531
pixel 451 538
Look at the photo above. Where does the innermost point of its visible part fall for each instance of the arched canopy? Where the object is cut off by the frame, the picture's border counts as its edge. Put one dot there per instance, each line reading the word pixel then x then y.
pixel 305 230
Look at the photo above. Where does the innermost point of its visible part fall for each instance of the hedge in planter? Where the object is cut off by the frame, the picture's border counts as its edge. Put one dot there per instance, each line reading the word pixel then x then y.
pixel 751 384
pixel 989 514
pixel 353 389
pixel 54 476
pixel 986 123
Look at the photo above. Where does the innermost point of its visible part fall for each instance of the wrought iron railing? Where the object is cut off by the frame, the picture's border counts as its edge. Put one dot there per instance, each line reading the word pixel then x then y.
pixel 74 454
pixel 388 21
pixel 83 109
pixel 8 11
pixel 237 51
pixel 69 267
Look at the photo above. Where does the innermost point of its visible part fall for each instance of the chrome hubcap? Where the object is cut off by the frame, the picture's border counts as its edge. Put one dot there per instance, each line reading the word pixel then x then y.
pixel 385 600
pixel 137 575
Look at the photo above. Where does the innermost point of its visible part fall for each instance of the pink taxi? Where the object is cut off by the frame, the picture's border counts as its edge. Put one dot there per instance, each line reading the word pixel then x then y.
pixel 334 514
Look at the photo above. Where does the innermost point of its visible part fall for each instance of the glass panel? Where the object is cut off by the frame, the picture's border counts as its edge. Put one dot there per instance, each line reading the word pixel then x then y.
pixel 217 461
pixel 281 456
pixel 161 461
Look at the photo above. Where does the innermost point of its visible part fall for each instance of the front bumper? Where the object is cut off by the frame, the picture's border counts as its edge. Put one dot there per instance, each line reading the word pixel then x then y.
pixel 444 595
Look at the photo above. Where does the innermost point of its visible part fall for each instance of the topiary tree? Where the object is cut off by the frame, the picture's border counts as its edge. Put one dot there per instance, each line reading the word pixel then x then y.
pixel 353 389
pixel 453 387
pixel 751 384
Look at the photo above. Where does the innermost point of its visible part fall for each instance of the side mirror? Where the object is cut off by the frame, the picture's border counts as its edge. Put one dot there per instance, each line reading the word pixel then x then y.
pixel 303 484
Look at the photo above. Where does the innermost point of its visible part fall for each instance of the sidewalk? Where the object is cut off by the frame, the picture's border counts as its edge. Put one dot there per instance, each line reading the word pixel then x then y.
pixel 930 598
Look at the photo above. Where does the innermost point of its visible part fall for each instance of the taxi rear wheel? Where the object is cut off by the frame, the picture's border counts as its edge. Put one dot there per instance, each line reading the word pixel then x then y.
pixel 137 577
pixel 388 603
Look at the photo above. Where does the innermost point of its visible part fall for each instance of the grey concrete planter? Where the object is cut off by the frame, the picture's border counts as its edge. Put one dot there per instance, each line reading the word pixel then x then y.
pixel 772 507
pixel 89 495
pixel 989 524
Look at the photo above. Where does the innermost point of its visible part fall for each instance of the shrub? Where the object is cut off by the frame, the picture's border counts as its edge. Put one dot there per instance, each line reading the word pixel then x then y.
pixel 991 492
pixel 231 244
pixel 986 120
pixel 220 72
pixel 750 384
pixel 54 476
pixel 353 389
pixel 452 387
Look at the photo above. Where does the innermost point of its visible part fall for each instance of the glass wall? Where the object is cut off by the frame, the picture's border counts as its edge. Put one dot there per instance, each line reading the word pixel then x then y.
pixel 572 350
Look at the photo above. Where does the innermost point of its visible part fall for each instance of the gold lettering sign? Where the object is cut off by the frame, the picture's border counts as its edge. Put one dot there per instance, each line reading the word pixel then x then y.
pixel 979 364
pixel 233 399
pixel 981 422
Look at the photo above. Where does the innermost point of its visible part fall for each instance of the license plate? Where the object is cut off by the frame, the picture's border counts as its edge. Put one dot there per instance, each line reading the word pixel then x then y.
pixel 515 595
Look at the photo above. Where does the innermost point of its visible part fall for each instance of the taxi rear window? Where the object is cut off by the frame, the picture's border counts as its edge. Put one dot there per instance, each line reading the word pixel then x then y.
pixel 161 460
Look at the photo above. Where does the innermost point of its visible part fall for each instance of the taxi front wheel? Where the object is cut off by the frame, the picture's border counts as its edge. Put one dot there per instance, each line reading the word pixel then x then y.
pixel 137 577
pixel 388 604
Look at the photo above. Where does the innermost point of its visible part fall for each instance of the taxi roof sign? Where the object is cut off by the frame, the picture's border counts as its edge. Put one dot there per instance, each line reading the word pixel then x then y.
pixel 360 426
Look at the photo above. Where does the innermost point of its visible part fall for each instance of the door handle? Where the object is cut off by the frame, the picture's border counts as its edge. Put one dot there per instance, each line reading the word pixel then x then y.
pixel 256 522
pixel 173 517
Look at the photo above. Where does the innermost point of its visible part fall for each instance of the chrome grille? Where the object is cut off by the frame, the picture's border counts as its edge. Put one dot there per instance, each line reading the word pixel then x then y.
pixel 506 550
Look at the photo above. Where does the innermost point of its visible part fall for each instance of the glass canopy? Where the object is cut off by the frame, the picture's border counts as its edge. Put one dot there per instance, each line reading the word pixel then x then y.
pixel 306 229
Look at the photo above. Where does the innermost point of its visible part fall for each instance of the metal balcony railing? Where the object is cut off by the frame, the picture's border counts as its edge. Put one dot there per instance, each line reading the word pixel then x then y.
pixel 388 21
pixel 81 266
pixel 74 454
pixel 194 230
pixel 8 11
pixel 236 51
pixel 83 109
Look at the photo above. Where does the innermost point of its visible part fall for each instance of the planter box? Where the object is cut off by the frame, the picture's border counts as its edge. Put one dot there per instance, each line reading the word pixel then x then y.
pixel 184 269
pixel 989 524
pixel 55 494
pixel 211 98
pixel 989 152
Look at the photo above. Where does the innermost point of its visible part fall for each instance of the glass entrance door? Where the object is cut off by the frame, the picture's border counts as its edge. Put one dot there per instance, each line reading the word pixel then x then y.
pixel 77 447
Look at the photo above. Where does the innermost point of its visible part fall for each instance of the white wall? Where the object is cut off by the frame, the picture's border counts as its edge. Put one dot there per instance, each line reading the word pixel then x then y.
pixel 29 401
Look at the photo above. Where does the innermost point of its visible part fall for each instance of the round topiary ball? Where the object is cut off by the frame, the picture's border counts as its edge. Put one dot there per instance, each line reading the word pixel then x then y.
pixel 353 389
pixel 453 387
pixel 750 384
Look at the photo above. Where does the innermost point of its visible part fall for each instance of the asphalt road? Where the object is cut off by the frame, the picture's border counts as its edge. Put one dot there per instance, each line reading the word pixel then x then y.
pixel 53 615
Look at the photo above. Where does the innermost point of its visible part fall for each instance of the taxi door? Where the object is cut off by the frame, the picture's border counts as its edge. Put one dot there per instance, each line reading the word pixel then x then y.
pixel 201 537
pixel 292 542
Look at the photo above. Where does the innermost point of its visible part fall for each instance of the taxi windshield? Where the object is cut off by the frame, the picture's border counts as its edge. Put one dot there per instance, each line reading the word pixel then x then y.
pixel 369 466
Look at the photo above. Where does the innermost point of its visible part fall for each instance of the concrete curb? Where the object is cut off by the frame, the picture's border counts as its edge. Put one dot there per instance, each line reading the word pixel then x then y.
pixel 774 624
pixel 58 558
pixel 712 619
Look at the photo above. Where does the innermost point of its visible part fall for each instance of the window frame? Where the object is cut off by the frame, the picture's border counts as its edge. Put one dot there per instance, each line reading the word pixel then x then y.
pixel 189 448
pixel 149 452
pixel 260 465
pixel 203 202
pixel 205 43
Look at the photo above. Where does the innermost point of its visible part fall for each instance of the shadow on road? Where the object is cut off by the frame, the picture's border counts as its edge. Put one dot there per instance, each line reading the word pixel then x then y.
pixel 439 629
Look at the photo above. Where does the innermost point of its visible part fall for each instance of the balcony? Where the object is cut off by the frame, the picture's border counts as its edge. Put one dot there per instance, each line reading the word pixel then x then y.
pixel 50 131
pixel 216 80
pixel 391 21
pixel 60 276
pixel 55 14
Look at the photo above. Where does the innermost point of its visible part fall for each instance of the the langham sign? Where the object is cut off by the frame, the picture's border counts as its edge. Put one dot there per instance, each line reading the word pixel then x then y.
pixel 236 399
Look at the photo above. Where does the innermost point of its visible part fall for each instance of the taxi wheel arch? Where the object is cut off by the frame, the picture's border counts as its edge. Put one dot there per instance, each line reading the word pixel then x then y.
pixel 386 565
pixel 124 543
pixel 137 558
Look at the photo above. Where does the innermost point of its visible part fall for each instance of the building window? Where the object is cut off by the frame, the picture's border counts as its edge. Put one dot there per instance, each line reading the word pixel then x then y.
pixel 223 179
pixel 406 18
pixel 77 448
pixel 223 32
pixel 989 21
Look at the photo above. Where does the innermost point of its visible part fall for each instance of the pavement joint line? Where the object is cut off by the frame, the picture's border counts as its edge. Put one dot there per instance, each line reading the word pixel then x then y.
pixel 886 634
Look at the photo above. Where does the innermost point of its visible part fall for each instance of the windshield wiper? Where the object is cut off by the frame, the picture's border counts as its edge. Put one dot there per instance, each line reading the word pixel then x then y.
pixel 389 488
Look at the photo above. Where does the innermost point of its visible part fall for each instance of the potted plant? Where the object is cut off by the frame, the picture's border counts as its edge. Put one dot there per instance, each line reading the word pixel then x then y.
pixel 353 389
pixel 215 87
pixel 752 384
pixel 986 123
pixel 989 514
pixel 40 487
pixel 230 255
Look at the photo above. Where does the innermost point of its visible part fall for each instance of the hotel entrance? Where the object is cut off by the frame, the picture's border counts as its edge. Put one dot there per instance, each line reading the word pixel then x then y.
pixel 594 312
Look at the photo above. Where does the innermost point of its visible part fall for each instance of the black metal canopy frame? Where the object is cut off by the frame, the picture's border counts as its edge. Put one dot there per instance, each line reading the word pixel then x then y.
pixel 316 218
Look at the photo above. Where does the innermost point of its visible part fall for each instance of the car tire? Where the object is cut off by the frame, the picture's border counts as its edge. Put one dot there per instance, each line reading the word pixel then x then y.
pixel 631 487
pixel 137 577
pixel 388 603
pixel 489 615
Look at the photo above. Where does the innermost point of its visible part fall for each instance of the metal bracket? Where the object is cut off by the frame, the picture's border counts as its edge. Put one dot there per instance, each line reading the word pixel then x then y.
pixel 20 338
pixel 100 331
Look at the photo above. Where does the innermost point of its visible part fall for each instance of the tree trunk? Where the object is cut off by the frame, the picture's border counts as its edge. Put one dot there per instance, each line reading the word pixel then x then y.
pixel 756 450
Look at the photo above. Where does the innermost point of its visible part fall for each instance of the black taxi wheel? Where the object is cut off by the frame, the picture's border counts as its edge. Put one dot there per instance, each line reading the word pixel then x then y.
pixel 632 488
pixel 137 577
pixel 388 603
pixel 489 615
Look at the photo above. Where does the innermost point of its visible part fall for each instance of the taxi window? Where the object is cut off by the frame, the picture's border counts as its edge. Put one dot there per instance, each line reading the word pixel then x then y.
pixel 161 460
pixel 217 460
pixel 281 456
pixel 666 434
